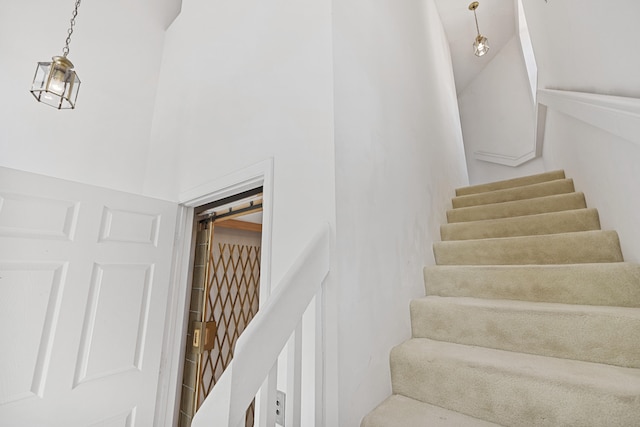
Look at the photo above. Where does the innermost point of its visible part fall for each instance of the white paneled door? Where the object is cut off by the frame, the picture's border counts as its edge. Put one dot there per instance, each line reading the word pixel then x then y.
pixel 84 278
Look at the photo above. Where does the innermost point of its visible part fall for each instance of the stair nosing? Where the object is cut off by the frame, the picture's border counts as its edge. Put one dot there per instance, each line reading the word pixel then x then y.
pixel 560 172
pixel 555 283
pixel 528 237
pixel 507 191
pixel 477 209
pixel 535 306
pixel 524 220
pixel 529 365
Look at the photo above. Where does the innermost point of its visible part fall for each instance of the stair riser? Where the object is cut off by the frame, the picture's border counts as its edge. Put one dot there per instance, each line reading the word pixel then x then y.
pixel 557 203
pixel 512 194
pixel 569 248
pixel 513 397
pixel 614 284
pixel 531 225
pixel 511 183
pixel 608 336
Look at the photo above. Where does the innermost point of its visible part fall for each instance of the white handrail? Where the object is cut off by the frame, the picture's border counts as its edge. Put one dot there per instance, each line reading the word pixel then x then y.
pixel 617 115
pixel 262 341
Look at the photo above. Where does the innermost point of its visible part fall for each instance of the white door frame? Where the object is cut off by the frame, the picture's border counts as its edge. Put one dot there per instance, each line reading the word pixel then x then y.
pixel 257 175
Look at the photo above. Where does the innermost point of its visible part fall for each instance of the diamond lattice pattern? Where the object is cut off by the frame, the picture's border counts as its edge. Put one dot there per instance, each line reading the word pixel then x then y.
pixel 232 302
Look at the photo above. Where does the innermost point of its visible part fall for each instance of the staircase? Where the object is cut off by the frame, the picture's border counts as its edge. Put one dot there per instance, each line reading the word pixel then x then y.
pixel 531 317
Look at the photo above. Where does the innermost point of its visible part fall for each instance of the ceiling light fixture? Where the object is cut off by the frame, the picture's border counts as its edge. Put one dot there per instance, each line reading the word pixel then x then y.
pixel 480 45
pixel 55 83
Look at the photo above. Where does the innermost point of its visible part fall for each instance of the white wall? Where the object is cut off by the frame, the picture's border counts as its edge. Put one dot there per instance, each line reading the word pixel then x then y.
pixel 497 115
pixel 590 46
pixel 605 167
pixel 116 49
pixel 399 155
pixel 586 46
pixel 242 82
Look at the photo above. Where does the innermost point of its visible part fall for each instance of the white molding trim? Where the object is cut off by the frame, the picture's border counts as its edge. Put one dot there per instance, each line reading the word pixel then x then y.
pixel 526 49
pixel 259 174
pixel 541 127
pixel 617 115
pixel 228 185
pixel 502 159
pixel 173 348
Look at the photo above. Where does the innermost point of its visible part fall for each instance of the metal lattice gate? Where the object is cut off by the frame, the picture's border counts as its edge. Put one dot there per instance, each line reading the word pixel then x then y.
pixel 224 299
pixel 231 304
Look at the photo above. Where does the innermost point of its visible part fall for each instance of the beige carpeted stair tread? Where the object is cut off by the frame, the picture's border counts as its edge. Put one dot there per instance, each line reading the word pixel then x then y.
pixel 531 316
pixel 555 203
pixel 565 248
pixel 608 335
pixel 515 389
pixel 614 284
pixel 547 223
pixel 542 189
pixel 510 183
pixel 401 411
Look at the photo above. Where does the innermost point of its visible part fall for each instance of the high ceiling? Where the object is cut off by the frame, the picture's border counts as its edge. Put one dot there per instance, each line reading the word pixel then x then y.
pixel 496 19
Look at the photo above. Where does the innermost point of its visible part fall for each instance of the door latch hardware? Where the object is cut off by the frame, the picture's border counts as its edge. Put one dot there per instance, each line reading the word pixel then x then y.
pixel 203 334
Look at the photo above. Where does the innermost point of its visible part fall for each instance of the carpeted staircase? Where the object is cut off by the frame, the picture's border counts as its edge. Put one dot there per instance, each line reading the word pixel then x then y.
pixel 531 317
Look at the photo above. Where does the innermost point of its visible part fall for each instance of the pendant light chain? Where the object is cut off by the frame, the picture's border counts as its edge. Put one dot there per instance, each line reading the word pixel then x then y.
pixel 65 50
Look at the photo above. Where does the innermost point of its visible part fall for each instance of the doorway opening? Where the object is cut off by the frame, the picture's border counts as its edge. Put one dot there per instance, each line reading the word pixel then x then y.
pixel 225 293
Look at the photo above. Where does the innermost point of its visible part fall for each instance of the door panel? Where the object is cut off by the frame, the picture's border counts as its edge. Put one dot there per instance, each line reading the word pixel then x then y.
pixel 84 277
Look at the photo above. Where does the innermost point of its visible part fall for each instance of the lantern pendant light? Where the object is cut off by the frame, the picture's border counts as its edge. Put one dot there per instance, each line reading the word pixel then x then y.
pixel 56 83
pixel 480 45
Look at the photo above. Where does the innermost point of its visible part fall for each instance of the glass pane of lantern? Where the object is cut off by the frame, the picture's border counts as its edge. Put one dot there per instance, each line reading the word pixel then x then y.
pixel 55 86
pixel 41 74
pixel 39 80
pixel 481 46
pixel 72 89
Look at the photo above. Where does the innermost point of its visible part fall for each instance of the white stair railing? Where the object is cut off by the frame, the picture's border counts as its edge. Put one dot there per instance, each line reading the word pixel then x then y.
pixel 263 340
